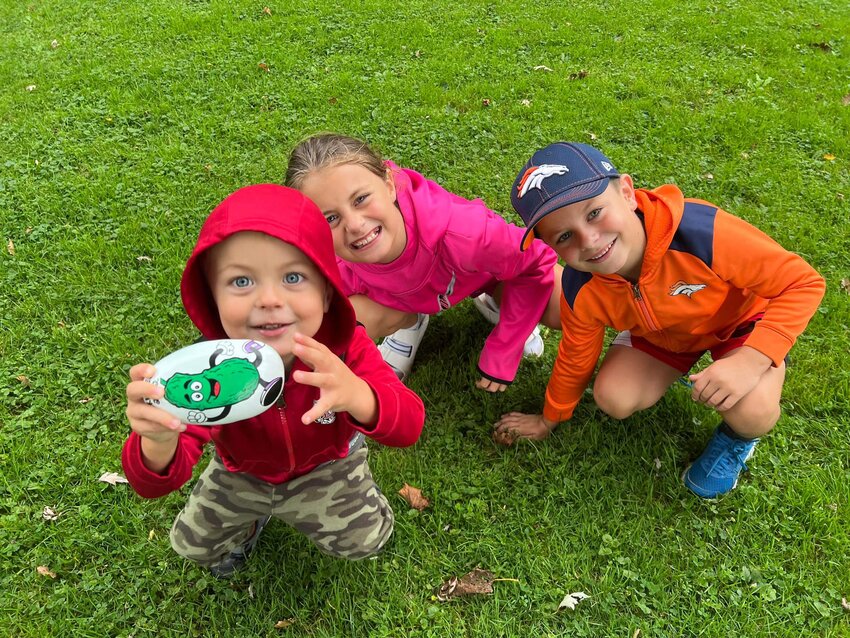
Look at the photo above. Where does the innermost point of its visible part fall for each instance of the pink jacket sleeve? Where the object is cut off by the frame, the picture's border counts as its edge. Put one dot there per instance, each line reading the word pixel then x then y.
pixel 527 279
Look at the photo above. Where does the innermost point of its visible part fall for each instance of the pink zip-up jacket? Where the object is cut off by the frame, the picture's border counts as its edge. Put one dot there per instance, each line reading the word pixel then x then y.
pixel 276 446
pixel 457 248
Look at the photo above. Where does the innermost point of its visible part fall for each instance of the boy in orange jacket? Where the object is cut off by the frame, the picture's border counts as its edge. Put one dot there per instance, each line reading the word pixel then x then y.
pixel 677 277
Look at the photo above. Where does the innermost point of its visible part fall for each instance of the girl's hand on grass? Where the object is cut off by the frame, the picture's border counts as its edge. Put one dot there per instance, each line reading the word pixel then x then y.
pixel 726 381
pixel 490 386
pixel 340 390
pixel 515 425
pixel 147 420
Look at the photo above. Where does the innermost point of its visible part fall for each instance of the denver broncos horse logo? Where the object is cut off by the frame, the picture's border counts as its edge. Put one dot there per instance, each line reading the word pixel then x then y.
pixel 682 288
pixel 534 176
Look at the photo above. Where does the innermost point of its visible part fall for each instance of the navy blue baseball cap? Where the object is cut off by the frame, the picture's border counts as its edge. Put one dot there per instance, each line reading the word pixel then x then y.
pixel 560 174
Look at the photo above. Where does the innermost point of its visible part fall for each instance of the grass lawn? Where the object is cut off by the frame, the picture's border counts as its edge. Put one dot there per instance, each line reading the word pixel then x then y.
pixel 124 123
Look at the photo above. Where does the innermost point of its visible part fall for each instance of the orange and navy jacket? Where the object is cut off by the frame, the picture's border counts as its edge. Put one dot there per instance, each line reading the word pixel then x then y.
pixel 704 272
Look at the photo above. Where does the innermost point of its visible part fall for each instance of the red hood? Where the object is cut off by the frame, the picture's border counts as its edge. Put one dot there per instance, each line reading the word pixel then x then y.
pixel 287 215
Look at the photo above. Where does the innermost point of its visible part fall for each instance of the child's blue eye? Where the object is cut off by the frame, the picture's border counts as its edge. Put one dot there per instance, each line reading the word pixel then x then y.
pixel 360 199
pixel 242 282
pixel 332 218
pixel 293 278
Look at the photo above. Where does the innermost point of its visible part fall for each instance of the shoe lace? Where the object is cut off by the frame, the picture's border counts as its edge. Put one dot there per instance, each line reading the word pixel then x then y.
pixel 731 459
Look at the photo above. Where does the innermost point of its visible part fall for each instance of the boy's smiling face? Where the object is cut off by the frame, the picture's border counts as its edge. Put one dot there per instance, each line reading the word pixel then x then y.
pixel 599 235
pixel 266 290
pixel 360 208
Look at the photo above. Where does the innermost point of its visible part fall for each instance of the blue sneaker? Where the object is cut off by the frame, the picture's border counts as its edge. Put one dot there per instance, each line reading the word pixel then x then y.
pixel 237 558
pixel 716 470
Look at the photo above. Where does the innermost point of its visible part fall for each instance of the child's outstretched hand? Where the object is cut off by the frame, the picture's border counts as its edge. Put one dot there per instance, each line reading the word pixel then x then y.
pixel 491 386
pixel 340 389
pixel 515 425
pixel 148 420
pixel 726 381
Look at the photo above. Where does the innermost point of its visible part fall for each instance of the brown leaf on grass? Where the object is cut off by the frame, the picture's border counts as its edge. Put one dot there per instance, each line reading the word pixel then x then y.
pixel 845 285
pixel 267 11
pixel 414 498
pixel 24 379
pixel 332 100
pixel 476 583
pixel 284 624
pixel 49 514
pixel 541 67
pixel 143 258
pixel 263 66
pixel 846 100
pixel 505 437
pixel 44 571
pixel 10 248
pixel 578 75
pixel 30 87
pixel 844 604
pixel 486 101
pixel 112 478
pixel 823 46
pixel 54 44
pixel 526 103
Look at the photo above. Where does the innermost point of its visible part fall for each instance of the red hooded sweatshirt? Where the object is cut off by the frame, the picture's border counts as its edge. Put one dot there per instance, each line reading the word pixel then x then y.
pixel 275 446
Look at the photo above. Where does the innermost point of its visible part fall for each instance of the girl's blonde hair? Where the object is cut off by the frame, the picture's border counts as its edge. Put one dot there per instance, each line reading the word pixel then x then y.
pixel 330 149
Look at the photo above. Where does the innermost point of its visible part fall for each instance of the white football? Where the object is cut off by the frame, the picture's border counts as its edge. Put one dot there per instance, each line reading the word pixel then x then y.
pixel 219 382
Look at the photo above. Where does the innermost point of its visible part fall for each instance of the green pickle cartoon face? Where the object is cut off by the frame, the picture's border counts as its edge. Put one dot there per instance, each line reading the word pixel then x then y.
pixel 224 384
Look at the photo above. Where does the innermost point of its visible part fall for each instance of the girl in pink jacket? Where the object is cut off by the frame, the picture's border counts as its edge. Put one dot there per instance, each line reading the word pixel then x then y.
pixel 407 248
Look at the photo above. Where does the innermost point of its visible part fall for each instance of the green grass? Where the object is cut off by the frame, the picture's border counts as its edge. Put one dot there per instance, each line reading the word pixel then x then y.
pixel 147 114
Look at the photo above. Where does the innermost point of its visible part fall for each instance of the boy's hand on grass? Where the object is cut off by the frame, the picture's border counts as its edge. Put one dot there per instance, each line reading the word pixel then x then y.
pixel 515 425
pixel 490 386
pixel 147 420
pixel 726 381
pixel 340 390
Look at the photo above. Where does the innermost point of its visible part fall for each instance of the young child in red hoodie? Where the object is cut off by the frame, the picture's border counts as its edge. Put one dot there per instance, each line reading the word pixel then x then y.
pixel 264 268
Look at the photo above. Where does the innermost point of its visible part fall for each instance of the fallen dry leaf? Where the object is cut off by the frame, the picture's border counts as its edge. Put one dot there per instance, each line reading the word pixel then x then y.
pixel 143 258
pixel 112 478
pixel 251 591
pixel 486 101
pixel 85 400
pixel 846 100
pixel 54 44
pixel 845 285
pixel 657 464
pixel 636 634
pixel 708 176
pixel 283 624
pixel 475 583
pixel 540 67
pixel 44 571
pixel 823 46
pixel 571 600
pixel 49 514
pixel 829 157
pixel 526 102
pixel 263 66
pixel 591 135
pixel 10 248
pixel 844 604
pixel 579 75
pixel 24 379
pixel 31 87
pixel 414 498
pixel 151 535
pixel 267 11
pixel 505 437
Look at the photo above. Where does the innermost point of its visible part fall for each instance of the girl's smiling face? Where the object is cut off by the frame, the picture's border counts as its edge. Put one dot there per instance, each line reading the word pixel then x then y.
pixel 360 207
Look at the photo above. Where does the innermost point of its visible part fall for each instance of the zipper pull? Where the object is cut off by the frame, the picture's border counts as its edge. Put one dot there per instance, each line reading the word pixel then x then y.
pixel 636 291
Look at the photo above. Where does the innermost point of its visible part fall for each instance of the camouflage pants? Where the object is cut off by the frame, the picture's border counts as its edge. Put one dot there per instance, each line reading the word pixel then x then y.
pixel 337 506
